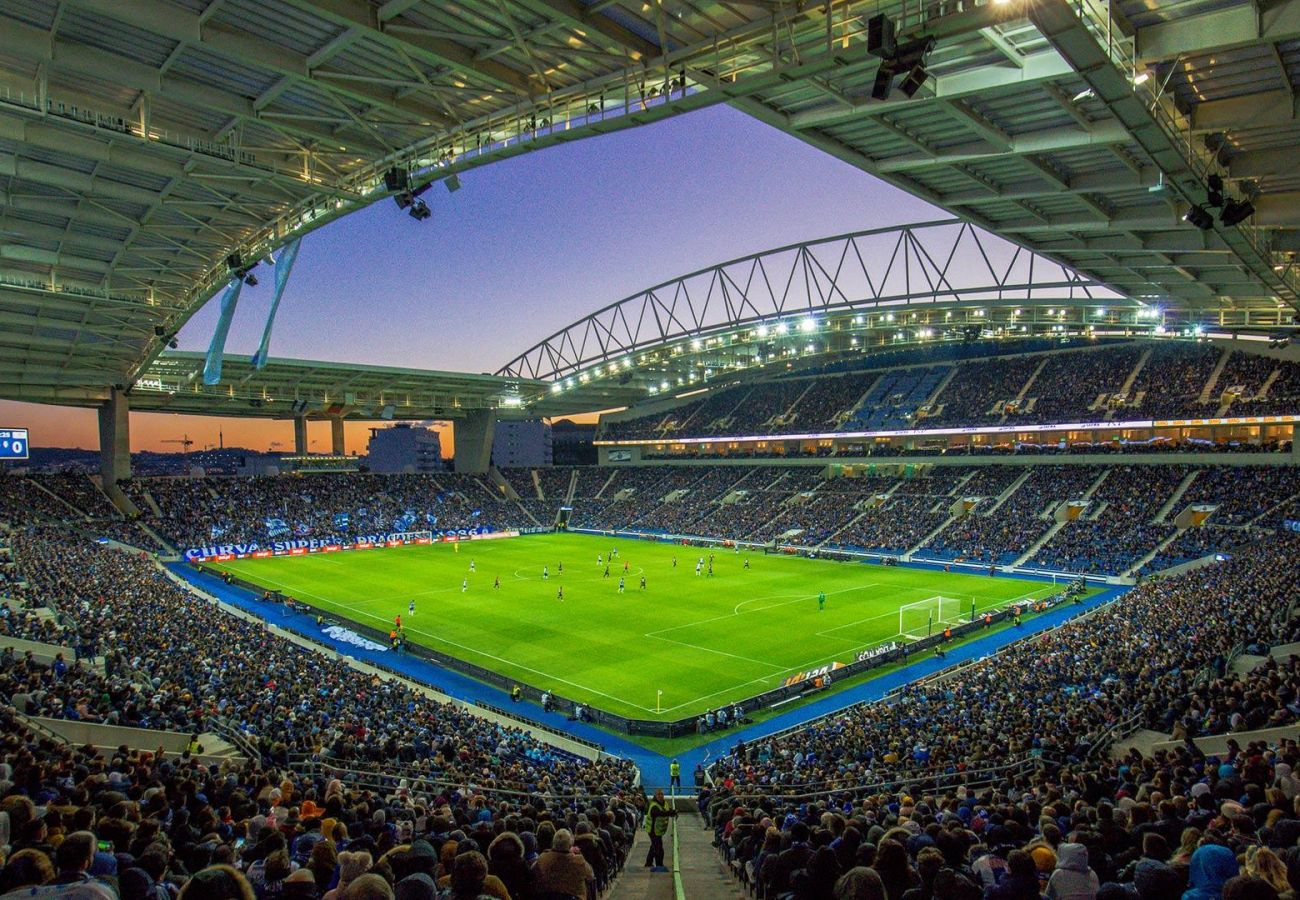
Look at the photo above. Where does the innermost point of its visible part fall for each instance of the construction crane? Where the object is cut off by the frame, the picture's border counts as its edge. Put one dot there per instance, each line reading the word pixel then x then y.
pixel 183 440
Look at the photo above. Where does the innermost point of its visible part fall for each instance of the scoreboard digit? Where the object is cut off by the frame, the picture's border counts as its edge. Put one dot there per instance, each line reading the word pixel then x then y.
pixel 13 443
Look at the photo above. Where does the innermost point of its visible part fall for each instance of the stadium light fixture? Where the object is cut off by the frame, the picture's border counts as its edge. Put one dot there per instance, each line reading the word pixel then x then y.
pixel 696 345
pixel 808 325
pixel 1199 217
pixel 1214 190
pixel 1236 211
pixel 762 331
pixel 782 328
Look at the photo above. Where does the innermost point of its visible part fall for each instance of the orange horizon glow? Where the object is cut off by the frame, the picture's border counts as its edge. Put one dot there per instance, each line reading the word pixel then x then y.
pixel 77 428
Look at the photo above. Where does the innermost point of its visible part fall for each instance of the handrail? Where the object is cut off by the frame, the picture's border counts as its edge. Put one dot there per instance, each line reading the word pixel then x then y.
pixel 677 866
pixel 1115 733
pixel 223 727
pixel 40 728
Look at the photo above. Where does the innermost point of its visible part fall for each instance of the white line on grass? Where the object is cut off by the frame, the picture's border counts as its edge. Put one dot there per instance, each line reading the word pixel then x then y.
pixel 719 652
pixel 737 611
pixel 500 659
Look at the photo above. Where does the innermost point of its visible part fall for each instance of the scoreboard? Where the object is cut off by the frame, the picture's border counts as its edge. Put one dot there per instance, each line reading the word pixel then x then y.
pixel 13 443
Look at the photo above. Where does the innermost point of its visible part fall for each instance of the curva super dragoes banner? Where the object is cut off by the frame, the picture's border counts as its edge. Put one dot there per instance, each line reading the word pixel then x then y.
pixel 330 544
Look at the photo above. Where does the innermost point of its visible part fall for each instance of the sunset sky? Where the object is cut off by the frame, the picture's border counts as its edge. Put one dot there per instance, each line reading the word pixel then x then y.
pixel 525 247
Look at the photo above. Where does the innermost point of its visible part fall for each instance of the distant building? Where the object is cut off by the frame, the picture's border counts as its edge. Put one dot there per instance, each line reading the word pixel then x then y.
pixel 521 443
pixel 404 448
pixel 571 443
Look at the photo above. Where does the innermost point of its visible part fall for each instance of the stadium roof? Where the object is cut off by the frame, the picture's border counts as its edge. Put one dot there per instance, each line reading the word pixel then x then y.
pixel 288 387
pixel 144 145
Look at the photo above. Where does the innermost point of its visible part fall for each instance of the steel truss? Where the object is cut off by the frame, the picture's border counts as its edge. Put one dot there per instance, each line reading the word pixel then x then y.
pixel 941 264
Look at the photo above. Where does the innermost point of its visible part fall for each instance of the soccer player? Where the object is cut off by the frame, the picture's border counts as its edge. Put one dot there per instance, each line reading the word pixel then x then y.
pixel 559 595
pixel 607 571
pixel 710 567
pixel 464 585
pixel 410 608
pixel 746 562
pixel 560 568
pixel 625 565
pixel 674 562
pixel 643 582
pixel 821 600
pixel 546 573
pixel 698 566
pixel 620 584
pixel 496 582
pixel 397 620
pixel 471 565
pixel 600 559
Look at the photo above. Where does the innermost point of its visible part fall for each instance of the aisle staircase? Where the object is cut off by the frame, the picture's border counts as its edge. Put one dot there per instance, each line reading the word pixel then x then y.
pixel 695 870
pixel 1207 392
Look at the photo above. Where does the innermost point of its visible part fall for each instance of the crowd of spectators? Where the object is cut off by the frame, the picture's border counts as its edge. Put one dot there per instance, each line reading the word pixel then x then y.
pixel 24 500
pixel 1008 529
pixel 1243 493
pixel 1196 542
pixel 1083 384
pixel 972 396
pixel 195 662
pixel 1172 379
pixel 199 512
pixel 148 826
pixel 994 782
pixel 1070 384
pixel 1117 528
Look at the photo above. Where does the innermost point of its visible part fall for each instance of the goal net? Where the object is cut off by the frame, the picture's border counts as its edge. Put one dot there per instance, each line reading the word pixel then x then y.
pixel 929 616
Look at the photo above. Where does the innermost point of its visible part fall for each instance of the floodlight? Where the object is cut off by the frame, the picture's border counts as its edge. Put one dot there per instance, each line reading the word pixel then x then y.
pixel 1200 218
pixel 1236 211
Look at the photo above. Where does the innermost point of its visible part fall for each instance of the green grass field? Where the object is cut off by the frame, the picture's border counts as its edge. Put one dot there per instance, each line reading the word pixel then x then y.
pixel 701 641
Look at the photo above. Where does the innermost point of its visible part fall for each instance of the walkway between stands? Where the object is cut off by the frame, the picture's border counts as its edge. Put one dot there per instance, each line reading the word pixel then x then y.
pixel 653 766
pixel 693 863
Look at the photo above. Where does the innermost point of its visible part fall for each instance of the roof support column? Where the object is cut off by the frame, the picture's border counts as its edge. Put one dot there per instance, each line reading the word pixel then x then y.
pixel 337 444
pixel 115 448
pixel 300 435
pixel 473 437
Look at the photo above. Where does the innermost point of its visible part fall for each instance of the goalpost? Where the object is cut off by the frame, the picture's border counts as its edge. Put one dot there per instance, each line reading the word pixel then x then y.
pixel 926 617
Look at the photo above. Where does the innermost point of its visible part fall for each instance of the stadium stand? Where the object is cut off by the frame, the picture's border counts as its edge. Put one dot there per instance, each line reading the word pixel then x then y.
pixel 977 396
pixel 1016 520
pixel 1117 528
pixel 1171 381
pixel 1018 383
pixel 995 782
pixel 199 512
pixel 312 720
pixel 1075 386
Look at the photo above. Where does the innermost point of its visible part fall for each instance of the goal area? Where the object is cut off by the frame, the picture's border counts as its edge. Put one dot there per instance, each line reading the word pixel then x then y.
pixel 929 616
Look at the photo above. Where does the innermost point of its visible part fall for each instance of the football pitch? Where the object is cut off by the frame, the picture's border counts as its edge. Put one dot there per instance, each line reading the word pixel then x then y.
pixel 683 644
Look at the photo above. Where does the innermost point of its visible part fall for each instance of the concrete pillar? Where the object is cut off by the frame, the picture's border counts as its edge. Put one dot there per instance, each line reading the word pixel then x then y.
pixel 336 436
pixel 300 435
pixel 473 436
pixel 115 438
pixel 115 449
